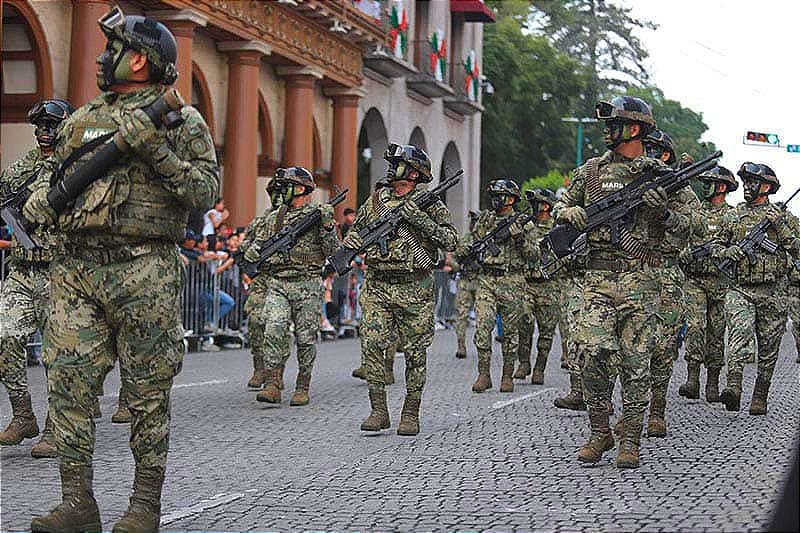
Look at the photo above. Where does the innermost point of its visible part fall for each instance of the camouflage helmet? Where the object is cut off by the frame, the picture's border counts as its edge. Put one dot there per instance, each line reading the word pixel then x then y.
pixel 760 172
pixel 722 175
pixel 626 108
pixel 504 186
pixel 659 142
pixel 541 195
pixel 414 157
pixel 146 36
pixel 296 175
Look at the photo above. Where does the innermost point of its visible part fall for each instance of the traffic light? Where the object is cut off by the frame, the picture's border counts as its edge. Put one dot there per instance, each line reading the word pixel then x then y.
pixel 757 137
pixel 794 148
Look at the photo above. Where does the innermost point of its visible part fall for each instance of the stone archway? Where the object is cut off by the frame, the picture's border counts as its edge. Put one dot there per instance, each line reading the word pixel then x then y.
pixel 418 139
pixel 372 143
pixel 454 198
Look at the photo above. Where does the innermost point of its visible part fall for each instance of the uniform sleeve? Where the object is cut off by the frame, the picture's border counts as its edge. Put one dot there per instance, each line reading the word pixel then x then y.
pixel 251 231
pixel 361 217
pixel 722 238
pixel 329 241
pixel 575 193
pixel 790 237
pixel 440 231
pixel 683 216
pixel 530 244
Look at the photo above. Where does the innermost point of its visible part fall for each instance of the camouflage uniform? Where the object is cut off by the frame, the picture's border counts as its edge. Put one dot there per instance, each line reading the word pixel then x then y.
pixel 794 306
pixel 758 300
pixel 254 307
pixel 293 295
pixel 465 300
pixel 619 320
pixel 116 284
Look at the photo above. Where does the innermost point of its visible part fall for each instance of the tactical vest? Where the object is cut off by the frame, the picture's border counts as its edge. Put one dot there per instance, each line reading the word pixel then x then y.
pixel 536 230
pixel 510 258
pixel 767 268
pixel 713 215
pixel 306 258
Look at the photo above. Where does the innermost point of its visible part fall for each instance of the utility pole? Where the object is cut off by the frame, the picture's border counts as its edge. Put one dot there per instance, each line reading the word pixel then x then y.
pixel 580 122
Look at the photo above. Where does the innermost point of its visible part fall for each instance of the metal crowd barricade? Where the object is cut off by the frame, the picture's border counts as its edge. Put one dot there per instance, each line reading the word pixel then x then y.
pixel 202 294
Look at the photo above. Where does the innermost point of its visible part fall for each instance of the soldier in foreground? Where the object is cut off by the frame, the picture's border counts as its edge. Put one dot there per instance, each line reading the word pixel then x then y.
pixel 618 320
pixel 397 294
pixel 25 295
pixel 117 287
pixel 757 301
pixel 293 292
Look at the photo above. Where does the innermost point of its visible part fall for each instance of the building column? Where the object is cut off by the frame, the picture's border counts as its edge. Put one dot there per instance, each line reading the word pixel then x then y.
pixel 241 128
pixel 86 43
pixel 344 159
pixel 182 24
pixel 299 116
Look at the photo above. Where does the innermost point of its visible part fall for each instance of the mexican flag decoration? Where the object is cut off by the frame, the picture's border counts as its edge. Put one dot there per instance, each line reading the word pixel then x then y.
pixel 398 20
pixel 438 55
pixel 472 80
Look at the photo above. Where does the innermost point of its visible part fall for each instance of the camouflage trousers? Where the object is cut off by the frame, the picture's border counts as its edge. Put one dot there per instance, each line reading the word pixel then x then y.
pixel 504 295
pixel 671 315
pixel 762 309
pixel 288 301
pixel 129 311
pixel 23 310
pixel 254 309
pixel 395 311
pixel 571 305
pixel 542 308
pixel 705 338
pixel 794 312
pixel 465 300
pixel 617 329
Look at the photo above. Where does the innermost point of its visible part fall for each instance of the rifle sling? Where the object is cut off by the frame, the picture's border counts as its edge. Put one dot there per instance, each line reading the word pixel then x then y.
pixel 83 150
pixel 405 235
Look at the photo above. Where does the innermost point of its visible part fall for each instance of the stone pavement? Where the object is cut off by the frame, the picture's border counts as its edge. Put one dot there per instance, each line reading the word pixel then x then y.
pixel 499 462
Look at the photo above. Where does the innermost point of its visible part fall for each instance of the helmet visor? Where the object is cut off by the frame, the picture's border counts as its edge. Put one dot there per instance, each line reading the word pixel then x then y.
pixel 750 168
pixel 604 111
pixel 112 20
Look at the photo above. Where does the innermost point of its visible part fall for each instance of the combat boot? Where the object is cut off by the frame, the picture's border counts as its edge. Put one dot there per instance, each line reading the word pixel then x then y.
pixel 360 373
pixel 537 376
pixel 144 510
pixel 78 508
pixel 409 419
pixel 712 385
pixel 300 396
pixel 619 426
pixel 271 393
pixel 484 381
pixel 574 399
pixel 691 389
pixel 507 381
pixel 122 415
pixel 46 447
pixel 731 395
pixel 600 441
pixel 259 373
pixel 281 370
pixel 461 351
pixel 23 422
pixel 389 369
pixel 96 412
pixel 758 405
pixel 523 370
pixel 628 453
pixel 378 419
pixel 656 422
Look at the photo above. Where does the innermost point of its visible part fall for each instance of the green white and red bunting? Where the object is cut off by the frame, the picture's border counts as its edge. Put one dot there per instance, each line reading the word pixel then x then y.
pixel 438 55
pixel 472 80
pixel 398 20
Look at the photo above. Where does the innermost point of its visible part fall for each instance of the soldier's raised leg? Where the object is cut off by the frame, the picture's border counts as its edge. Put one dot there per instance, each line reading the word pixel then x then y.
pixel 277 312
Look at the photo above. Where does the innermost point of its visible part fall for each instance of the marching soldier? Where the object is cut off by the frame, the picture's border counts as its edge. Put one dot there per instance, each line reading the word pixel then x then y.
pixel 397 294
pixel 25 295
pixel 758 301
pixel 117 282
pixel 465 295
pixel 618 321
pixel 293 286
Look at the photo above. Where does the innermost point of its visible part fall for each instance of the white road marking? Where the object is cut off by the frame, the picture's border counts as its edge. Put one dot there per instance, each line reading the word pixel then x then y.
pixel 183 386
pixel 506 403
pixel 210 503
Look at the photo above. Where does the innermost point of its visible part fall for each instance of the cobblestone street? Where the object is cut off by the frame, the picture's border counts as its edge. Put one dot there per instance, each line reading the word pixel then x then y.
pixel 482 462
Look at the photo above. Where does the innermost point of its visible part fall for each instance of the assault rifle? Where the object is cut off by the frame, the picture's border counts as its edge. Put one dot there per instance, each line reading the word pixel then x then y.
pixel 755 239
pixel 284 240
pixel 384 228
pixel 612 212
pixel 11 213
pixel 488 244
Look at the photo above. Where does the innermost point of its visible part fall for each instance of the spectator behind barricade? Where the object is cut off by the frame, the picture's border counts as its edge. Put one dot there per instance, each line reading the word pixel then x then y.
pixel 214 218
pixel 226 302
pixel 330 311
pixel 348 221
pixel 188 248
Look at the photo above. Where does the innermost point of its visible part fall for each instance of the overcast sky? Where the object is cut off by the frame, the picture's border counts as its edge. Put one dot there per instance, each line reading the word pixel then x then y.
pixel 732 61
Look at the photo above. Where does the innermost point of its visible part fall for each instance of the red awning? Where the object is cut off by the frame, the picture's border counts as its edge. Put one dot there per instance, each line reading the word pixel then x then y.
pixel 474 10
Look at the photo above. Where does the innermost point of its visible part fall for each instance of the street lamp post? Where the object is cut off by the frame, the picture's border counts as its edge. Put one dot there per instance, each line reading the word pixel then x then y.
pixel 580 122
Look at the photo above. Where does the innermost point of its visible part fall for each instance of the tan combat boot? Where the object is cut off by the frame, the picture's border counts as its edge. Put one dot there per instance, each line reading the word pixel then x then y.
pixel 389 369
pixel 758 405
pixel 484 381
pixel 461 351
pixel 144 510
pixel 271 393
pixel 300 396
pixel 523 369
pixel 46 447
pixel 600 441
pixel 712 385
pixel 731 395
pixel 656 422
pixel 537 376
pixel 259 376
pixel 23 422
pixel 409 419
pixel 691 389
pixel 122 415
pixel 360 373
pixel 628 453
pixel 574 399
pixel 378 419
pixel 507 380
pixel 78 508
pixel 619 426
